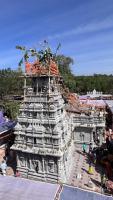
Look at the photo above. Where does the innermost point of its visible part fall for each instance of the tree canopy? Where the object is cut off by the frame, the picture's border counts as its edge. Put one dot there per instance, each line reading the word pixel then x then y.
pixel 64 64
pixel 83 84
pixel 11 83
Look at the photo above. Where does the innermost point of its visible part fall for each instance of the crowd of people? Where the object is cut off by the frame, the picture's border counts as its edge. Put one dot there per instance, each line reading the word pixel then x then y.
pixel 101 156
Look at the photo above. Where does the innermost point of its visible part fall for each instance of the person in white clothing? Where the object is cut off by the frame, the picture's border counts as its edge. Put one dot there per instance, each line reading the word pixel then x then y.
pixel 3 167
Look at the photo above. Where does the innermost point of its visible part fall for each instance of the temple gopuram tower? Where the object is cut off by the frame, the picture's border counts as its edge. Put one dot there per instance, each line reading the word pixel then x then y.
pixel 43 142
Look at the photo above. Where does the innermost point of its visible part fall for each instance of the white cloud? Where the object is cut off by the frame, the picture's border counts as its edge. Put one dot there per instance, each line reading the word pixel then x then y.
pixel 86 28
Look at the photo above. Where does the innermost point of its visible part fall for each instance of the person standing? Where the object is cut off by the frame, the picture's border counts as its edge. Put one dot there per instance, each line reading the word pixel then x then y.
pixel 3 167
pixel 84 147
pixel 90 170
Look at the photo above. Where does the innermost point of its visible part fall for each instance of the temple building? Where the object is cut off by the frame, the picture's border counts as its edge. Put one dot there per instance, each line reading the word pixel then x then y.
pixel 89 129
pixel 43 142
pixel 52 123
pixel 88 119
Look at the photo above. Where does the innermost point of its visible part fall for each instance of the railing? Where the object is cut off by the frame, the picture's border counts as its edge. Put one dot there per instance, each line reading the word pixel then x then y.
pixel 89 121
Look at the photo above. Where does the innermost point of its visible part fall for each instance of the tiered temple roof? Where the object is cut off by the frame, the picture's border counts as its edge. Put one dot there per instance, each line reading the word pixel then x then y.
pixel 37 68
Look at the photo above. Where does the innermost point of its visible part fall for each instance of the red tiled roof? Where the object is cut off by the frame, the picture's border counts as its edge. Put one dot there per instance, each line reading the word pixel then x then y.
pixel 40 69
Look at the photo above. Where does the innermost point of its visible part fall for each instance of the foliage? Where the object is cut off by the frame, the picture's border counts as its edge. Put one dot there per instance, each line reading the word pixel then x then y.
pixel 64 64
pixel 11 84
pixel 11 108
pixel 99 82
pixel 43 56
pixel 83 84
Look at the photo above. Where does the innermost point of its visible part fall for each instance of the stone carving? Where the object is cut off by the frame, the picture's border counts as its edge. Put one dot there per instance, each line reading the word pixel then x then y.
pixel 51 166
pixel 35 166
pixel 22 161
pixel 45 124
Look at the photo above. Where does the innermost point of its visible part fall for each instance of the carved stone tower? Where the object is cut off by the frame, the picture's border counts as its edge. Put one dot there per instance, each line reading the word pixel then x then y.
pixel 43 141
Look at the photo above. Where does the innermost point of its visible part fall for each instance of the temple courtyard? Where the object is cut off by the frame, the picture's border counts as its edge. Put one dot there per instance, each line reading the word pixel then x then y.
pixel 79 176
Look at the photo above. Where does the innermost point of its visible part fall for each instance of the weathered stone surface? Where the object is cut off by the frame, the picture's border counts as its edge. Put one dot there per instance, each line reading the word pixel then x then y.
pixel 46 132
pixel 43 141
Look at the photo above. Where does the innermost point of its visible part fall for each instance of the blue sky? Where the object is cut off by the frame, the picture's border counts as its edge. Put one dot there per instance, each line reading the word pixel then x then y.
pixel 83 27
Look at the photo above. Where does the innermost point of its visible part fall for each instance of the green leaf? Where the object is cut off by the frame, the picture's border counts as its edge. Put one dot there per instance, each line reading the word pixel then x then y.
pixel 20 48
pixel 21 62
pixel 26 56
pixel 32 50
pixel 58 47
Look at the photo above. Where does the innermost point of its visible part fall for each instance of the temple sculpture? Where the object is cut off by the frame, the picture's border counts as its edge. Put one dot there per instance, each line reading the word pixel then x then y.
pixel 53 122
pixel 43 142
